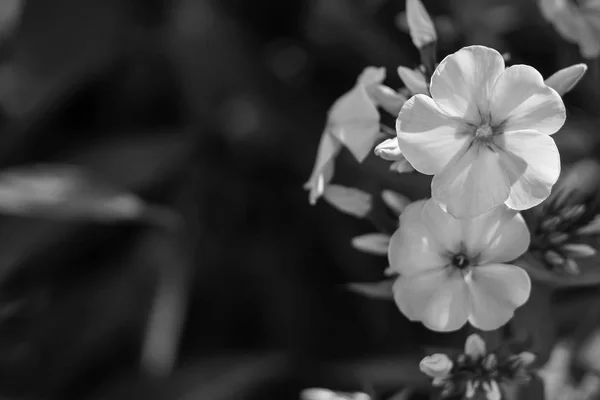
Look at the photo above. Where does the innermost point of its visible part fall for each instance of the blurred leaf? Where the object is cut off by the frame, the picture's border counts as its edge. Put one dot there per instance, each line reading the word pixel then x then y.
pixel 589 276
pixel 377 290
pixel 64 192
pixel 136 164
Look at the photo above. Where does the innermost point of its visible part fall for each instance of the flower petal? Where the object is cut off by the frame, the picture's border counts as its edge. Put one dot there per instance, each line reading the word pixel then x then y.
pixel 413 250
pixel 428 137
pixel 445 228
pixel 522 101
pixel 462 83
pixel 475 347
pixel 499 235
pixel 439 298
pixel 329 147
pixel 354 121
pixel 496 291
pixel 420 25
pixel 532 164
pixel 472 184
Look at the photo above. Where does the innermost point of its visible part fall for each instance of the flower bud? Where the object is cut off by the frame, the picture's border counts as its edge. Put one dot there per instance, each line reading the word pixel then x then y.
pixel 564 80
pixel 414 80
pixel 420 25
pixel 372 243
pixel 436 366
pixel 348 200
pixel 389 150
pixel 593 228
pixel 387 98
pixel 396 201
pixel 475 347
pixel 579 250
pixel 401 166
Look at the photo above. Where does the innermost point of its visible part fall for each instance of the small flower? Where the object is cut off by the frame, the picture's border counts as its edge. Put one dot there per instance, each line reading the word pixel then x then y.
pixel 577 22
pixel 484 133
pixel 420 25
pixel 478 372
pixel 564 80
pixel 353 122
pixel 348 200
pixel 453 271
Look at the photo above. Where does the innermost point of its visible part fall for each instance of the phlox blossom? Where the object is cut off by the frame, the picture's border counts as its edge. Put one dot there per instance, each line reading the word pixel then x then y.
pixel 455 270
pixel 484 133
pixel 577 22
pixel 353 122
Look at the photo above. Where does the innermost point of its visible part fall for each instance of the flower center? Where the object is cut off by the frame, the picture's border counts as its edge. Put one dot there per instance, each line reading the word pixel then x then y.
pixel 460 261
pixel 484 132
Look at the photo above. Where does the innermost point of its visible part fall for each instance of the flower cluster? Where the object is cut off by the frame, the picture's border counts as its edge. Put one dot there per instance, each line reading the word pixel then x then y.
pixel 483 131
pixel 478 371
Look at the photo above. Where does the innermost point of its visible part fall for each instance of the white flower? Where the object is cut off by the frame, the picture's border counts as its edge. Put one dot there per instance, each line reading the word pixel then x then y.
pixel 390 151
pixel 353 122
pixel 565 79
pixel 420 25
pixel 484 134
pixel 577 22
pixel 454 270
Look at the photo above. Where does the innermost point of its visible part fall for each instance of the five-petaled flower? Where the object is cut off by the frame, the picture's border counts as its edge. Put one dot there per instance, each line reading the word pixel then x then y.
pixel 477 371
pixel 454 270
pixel 353 122
pixel 484 133
pixel 577 22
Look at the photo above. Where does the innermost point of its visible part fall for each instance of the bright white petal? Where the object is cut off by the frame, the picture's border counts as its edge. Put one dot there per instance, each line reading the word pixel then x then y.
pixel 445 228
pixel 354 121
pixel 413 249
pixel 471 184
pixel 329 147
pixel 522 101
pixel 496 291
pixel 532 164
pixel 475 347
pixel 439 298
pixel 499 235
pixel 462 83
pixel 414 80
pixel 428 137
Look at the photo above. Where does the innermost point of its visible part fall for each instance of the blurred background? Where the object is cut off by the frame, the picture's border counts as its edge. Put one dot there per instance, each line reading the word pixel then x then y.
pixel 214 108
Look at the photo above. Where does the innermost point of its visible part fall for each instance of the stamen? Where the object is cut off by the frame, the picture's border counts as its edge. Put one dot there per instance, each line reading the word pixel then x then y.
pixel 460 261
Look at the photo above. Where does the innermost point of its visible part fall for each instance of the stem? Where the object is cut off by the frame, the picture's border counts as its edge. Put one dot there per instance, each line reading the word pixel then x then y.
pixel 167 316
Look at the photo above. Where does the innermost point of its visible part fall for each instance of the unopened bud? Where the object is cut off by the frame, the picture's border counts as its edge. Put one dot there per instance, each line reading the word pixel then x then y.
pixel 389 150
pixel 348 200
pixel 420 25
pixel 414 80
pixel 436 365
pixel 564 80
pixel 396 201
pixel 372 243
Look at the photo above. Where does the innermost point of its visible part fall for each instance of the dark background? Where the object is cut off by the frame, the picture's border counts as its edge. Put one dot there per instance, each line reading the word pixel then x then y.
pixel 215 108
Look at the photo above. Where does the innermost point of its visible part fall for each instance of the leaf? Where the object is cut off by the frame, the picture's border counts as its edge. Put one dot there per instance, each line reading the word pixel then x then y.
pixel 377 290
pixel 64 192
